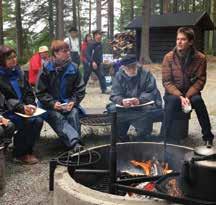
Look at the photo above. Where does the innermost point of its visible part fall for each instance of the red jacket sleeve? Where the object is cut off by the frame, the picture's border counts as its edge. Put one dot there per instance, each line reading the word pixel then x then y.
pixel 34 67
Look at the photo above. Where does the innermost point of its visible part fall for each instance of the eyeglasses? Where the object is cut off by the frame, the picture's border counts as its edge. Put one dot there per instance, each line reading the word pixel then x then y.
pixel 64 50
pixel 11 57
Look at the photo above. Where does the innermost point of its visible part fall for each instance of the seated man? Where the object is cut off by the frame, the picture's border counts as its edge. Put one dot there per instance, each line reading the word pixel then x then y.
pixel 60 89
pixel 184 76
pixel 132 86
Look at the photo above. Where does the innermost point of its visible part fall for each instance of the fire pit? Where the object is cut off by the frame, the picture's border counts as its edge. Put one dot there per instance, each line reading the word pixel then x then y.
pixel 96 177
pixel 102 169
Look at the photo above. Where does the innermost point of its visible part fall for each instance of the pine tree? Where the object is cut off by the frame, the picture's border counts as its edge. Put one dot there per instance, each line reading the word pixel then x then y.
pixel 59 19
pixel 19 30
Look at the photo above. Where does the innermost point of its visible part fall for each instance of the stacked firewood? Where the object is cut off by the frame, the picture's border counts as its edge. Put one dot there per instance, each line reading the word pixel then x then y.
pixel 123 43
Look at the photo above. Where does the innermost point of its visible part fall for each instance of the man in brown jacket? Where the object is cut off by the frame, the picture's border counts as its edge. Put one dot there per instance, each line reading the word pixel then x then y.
pixel 184 76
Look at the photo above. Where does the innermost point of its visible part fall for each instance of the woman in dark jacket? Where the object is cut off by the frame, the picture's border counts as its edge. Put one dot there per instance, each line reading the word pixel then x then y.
pixel 19 98
pixel 60 89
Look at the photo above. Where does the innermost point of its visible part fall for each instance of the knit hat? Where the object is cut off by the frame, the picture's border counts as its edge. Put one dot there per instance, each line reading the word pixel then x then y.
pixel 128 60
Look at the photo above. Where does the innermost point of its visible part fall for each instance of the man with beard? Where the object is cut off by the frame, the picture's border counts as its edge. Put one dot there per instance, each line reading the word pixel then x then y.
pixel 133 86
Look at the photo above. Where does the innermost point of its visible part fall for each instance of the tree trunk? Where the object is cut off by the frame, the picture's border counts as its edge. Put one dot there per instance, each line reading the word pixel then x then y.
pixel 121 16
pixel 1 25
pixel 207 8
pixel 74 14
pixel 164 7
pixel 111 18
pixel 132 10
pixel 59 19
pixel 78 18
pixel 194 5
pixel 98 14
pixel 144 55
pixel 90 10
pixel 19 32
pixel 51 23
pixel 214 32
pixel 186 7
pixel 175 6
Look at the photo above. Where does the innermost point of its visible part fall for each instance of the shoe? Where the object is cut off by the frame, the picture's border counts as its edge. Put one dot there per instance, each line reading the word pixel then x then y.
pixel 27 159
pixel 78 147
pixel 208 143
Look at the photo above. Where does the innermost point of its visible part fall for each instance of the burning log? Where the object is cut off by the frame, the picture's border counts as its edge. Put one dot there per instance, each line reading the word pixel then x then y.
pixel 173 189
pixel 146 166
pixel 152 167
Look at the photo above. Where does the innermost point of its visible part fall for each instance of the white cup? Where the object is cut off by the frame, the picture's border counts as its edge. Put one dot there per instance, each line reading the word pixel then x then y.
pixel 187 108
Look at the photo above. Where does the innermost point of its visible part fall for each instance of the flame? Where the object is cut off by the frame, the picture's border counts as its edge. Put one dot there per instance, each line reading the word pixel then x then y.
pixel 146 166
pixel 166 169
pixel 150 167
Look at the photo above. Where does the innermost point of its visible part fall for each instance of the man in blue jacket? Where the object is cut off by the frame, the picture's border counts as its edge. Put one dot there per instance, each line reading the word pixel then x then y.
pixel 60 89
pixel 133 86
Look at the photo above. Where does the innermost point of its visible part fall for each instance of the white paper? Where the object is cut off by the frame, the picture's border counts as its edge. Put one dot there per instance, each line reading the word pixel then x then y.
pixel 134 106
pixel 39 111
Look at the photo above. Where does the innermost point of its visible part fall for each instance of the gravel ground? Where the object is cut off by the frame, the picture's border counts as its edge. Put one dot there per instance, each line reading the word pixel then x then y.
pixel 28 185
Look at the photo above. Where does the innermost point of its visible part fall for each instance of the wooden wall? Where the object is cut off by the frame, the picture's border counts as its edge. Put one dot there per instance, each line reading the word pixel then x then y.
pixel 162 40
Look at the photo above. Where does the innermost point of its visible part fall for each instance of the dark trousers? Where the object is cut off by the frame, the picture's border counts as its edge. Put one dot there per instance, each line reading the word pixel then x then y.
pixel 140 119
pixel 75 57
pixel 27 134
pixel 173 103
pixel 87 72
pixel 6 133
pixel 66 125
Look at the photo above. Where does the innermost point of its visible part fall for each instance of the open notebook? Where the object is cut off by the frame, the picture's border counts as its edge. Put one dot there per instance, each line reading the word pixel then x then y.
pixel 140 105
pixel 39 111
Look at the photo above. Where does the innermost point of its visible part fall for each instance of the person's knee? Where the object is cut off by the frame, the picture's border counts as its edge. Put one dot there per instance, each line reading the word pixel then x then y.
pixel 172 102
pixel 196 99
pixel 74 112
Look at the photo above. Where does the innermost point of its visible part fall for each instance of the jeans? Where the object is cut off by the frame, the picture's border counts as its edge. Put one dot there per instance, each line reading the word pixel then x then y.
pixel 66 125
pixel 173 103
pixel 87 72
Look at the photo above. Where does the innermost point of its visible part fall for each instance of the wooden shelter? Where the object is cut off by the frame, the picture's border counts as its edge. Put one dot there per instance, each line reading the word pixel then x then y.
pixel 163 31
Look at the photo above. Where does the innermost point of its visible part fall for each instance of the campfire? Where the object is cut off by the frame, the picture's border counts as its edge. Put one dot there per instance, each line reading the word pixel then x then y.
pixel 152 167
pixel 155 168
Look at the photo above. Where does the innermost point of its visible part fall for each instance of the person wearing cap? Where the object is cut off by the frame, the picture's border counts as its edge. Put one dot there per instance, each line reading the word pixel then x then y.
pixel 73 42
pixel 36 63
pixel 60 89
pixel 94 56
pixel 132 86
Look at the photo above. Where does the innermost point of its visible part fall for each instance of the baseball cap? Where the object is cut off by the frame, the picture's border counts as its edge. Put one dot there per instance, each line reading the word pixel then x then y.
pixel 43 49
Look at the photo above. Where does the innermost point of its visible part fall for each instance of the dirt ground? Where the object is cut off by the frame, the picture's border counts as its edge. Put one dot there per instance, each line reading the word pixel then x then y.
pixel 28 185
